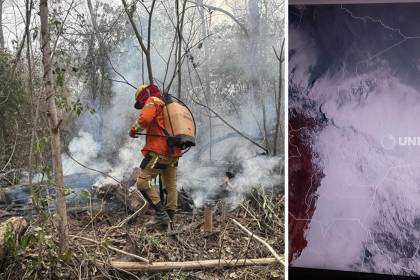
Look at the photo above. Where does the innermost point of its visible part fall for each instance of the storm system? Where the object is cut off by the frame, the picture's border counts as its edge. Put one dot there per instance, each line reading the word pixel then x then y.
pixel 354 169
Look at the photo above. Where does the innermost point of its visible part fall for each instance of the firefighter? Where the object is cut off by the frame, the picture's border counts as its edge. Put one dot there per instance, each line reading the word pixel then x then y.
pixel 159 157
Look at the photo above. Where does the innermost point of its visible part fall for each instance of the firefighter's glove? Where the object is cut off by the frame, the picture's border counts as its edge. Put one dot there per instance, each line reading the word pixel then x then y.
pixel 135 129
pixel 132 133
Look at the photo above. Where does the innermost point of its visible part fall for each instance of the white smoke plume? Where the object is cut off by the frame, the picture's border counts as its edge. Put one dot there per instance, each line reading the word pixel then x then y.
pixel 114 152
pixel 86 150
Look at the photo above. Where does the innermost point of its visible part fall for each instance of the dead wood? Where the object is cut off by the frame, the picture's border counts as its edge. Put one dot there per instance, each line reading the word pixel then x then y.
pixel 259 239
pixel 129 197
pixel 17 225
pixel 112 248
pixel 190 265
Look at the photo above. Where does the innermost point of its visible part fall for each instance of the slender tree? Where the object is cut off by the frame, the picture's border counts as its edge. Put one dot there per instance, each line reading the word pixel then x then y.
pixel 101 57
pixel 179 28
pixel 205 67
pixel 54 126
pixel 1 26
pixel 34 103
pixel 144 48
pixel 280 58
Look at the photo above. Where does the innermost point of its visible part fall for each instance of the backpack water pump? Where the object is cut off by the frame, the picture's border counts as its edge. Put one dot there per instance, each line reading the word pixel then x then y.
pixel 179 123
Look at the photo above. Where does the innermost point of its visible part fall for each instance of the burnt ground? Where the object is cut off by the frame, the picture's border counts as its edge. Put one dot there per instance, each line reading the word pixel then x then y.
pixel 262 213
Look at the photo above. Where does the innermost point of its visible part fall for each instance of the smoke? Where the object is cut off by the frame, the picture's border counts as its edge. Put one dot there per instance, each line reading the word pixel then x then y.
pixel 205 178
pixel 103 141
pixel 86 150
pixel 117 154
pixel 229 150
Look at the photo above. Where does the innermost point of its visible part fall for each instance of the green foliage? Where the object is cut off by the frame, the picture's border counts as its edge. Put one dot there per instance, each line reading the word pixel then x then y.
pixel 67 191
pixel 59 74
pixel 77 107
pixel 44 237
pixel 41 143
pixel 91 110
pixel 105 243
pixel 85 194
pixel 74 106
pixel 61 102
pixel 47 172
pixel 155 241
pixel 12 91
pixel 25 241
pixel 43 196
pixel 13 246
pixel 14 114
pixel 40 240
pixel 10 240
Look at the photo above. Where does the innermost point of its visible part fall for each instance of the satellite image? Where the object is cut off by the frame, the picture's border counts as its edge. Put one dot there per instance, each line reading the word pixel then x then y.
pixel 354 137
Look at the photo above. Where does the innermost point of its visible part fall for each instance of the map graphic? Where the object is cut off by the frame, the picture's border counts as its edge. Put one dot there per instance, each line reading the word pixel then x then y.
pixel 354 137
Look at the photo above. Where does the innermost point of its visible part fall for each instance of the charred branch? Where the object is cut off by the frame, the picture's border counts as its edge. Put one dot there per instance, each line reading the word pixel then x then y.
pixel 190 265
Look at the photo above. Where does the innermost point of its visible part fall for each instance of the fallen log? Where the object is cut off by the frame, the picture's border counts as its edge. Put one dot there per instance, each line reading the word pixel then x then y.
pixel 127 196
pixel 189 265
pixel 16 225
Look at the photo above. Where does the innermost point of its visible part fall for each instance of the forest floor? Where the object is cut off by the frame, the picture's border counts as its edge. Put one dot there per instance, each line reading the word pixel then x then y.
pixel 93 235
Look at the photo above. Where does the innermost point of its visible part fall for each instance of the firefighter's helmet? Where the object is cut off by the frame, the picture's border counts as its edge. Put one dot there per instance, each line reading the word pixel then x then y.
pixel 143 92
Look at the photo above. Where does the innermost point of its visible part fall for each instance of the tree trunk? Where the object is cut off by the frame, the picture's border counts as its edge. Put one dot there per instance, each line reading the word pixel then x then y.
pixel 205 67
pixel 54 124
pixel 178 48
pixel 1 26
pixel 180 27
pixel 34 104
pixel 102 51
pixel 278 105
pixel 93 68
pixel 256 86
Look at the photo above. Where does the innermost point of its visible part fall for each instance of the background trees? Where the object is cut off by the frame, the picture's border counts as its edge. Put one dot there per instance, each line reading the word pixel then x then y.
pixel 224 55
pixel 71 71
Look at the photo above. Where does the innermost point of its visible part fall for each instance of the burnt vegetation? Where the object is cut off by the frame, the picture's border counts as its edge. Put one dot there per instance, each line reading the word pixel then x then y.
pixel 68 72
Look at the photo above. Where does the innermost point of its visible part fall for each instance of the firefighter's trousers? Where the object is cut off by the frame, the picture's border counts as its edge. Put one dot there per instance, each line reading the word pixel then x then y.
pixel 151 166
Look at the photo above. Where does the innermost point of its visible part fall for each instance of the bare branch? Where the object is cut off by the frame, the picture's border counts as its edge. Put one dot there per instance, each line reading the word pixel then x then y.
pixel 241 25
pixel 140 39
pixel 60 32
pixel 229 125
pixel 14 147
pixel 112 248
pixel 190 265
pixel 119 74
pixel 259 239
pixel 280 58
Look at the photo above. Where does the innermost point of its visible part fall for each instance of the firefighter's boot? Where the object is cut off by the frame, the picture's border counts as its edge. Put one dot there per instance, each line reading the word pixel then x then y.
pixel 171 214
pixel 160 218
